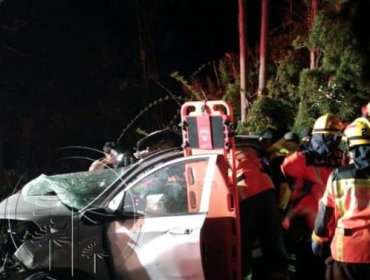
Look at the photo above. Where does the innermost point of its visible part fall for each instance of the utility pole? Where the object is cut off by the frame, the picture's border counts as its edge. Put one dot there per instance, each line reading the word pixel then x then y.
pixel 263 47
pixel 313 52
pixel 243 52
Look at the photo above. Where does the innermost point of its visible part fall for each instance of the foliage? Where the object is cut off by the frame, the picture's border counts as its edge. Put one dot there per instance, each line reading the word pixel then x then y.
pixel 296 95
pixel 338 85
pixel 299 42
pixel 265 113
pixel 144 110
pixel 188 87
pixel 277 109
pixel 284 84
pixel 214 81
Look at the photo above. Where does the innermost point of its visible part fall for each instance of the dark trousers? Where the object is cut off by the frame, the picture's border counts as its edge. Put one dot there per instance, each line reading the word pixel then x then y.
pixel 346 271
pixel 302 263
pixel 260 221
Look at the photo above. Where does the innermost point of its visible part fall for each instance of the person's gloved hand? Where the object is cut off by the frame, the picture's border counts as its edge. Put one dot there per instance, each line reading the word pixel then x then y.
pixel 317 248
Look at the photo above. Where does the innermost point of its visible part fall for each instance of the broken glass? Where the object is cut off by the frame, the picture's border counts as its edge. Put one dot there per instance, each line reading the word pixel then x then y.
pixel 75 190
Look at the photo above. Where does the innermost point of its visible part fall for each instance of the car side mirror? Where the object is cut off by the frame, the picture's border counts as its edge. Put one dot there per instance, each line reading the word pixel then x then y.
pixel 98 216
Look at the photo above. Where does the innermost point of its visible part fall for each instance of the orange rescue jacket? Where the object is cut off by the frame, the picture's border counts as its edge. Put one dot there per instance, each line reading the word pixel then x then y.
pixel 251 177
pixel 348 193
pixel 308 175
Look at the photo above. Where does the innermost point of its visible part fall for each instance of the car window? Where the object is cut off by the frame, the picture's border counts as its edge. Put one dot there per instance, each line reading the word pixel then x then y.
pixel 173 189
pixel 146 171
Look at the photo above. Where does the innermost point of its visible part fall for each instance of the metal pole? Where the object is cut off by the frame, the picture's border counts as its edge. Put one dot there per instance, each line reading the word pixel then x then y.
pixel 243 51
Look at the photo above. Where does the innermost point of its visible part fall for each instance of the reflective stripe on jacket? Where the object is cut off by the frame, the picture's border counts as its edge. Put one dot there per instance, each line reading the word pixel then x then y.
pixel 348 193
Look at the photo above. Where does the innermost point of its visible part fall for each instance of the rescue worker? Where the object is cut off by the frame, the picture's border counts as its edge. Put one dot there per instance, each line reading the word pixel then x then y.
pixel 291 136
pixel 157 141
pixel 275 152
pixel 259 216
pixel 112 157
pixel 306 135
pixel 343 220
pixel 286 146
pixel 307 172
pixel 267 138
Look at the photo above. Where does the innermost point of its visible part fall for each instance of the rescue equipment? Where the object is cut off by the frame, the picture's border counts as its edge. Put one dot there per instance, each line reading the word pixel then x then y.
pixel 207 127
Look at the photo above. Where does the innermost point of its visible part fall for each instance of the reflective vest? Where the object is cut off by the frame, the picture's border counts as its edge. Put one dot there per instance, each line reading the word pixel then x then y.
pixel 277 152
pixel 282 147
pixel 349 194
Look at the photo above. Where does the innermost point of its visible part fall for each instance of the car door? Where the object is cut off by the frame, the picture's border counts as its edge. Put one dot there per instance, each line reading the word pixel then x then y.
pixel 165 209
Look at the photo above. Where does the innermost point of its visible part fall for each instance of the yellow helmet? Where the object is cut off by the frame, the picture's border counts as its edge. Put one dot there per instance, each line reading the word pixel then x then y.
pixel 358 132
pixel 327 124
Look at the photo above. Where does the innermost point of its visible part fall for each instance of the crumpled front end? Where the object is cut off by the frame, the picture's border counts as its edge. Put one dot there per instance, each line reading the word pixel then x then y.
pixel 34 221
pixel 12 235
pixel 26 248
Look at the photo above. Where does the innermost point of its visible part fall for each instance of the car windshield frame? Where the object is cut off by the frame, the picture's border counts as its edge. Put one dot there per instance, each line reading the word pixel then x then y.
pixel 124 175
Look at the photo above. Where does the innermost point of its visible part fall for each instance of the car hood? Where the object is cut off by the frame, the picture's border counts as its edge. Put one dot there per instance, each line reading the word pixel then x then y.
pixel 39 209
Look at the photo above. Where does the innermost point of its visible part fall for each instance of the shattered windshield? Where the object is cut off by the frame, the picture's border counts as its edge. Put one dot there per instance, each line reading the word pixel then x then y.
pixel 75 190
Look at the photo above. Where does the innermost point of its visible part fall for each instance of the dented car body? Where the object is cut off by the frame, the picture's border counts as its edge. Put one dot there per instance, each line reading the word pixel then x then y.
pixel 151 220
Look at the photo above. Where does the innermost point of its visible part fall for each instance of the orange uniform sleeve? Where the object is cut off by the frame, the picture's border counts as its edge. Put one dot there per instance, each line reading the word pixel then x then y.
pixel 324 223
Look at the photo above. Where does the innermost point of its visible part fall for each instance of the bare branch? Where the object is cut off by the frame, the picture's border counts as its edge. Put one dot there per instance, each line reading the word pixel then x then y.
pixel 16 51
pixel 168 91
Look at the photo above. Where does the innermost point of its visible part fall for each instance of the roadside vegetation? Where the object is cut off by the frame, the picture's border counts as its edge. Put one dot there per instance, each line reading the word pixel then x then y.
pixel 317 61
pixel 300 87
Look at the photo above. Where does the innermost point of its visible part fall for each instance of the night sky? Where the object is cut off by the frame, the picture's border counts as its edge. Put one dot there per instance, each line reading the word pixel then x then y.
pixel 71 74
